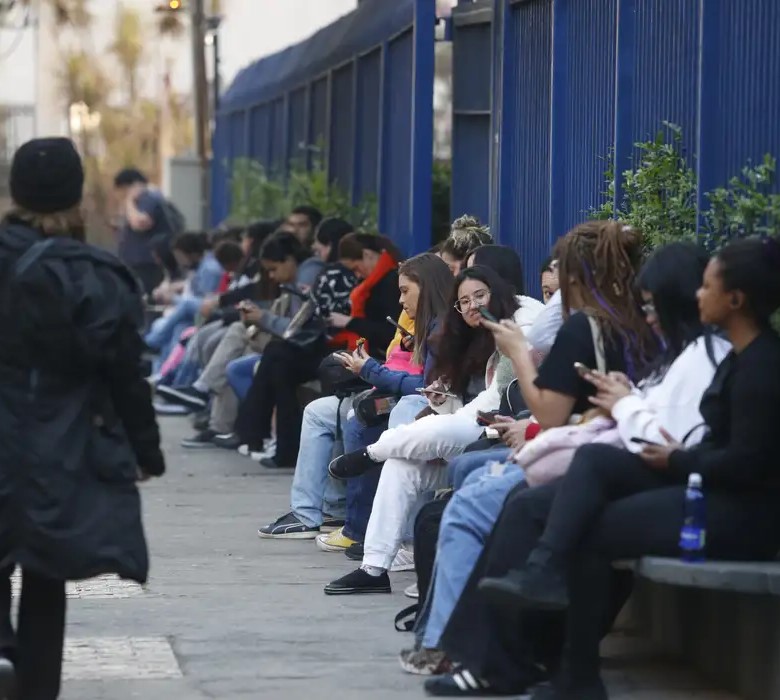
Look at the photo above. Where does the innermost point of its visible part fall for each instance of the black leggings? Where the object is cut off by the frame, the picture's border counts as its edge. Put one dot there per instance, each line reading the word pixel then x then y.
pixel 37 644
pixel 609 506
pixel 283 368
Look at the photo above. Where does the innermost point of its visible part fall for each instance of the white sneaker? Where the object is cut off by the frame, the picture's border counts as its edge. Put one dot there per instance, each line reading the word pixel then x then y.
pixel 412 591
pixel 243 450
pixel 404 561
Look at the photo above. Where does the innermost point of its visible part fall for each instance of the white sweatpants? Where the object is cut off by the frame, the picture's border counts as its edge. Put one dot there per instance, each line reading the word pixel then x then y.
pixel 432 437
pixel 401 483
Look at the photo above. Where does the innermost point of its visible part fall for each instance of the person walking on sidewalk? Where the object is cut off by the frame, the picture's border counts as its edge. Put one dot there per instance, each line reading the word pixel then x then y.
pixel 77 428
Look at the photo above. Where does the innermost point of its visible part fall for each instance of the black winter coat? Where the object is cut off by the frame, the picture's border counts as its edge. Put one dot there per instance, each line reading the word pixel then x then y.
pixel 76 419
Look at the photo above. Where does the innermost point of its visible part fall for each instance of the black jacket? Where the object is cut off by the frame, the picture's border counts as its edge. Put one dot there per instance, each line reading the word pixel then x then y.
pixel 382 302
pixel 76 418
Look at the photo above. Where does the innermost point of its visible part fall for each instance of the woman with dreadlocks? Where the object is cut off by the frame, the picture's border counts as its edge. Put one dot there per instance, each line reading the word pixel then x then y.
pixel 603 329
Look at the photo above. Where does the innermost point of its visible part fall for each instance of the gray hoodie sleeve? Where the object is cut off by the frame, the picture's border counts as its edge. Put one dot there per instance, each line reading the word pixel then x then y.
pixel 308 272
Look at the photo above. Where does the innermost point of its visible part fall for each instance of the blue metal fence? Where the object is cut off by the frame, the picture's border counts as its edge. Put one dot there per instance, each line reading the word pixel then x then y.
pixel 575 79
pixel 361 89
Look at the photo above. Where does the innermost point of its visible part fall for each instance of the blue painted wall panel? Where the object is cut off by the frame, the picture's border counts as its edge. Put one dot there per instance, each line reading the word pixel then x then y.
pixel 397 149
pixel 471 166
pixel 747 115
pixel 526 176
pixel 318 117
pixel 588 120
pixel 342 127
pixel 666 69
pixel 277 158
pixel 258 147
pixel 367 141
pixel 471 104
pixel 296 129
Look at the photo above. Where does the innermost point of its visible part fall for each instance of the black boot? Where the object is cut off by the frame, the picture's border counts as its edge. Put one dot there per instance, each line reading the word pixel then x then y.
pixel 539 585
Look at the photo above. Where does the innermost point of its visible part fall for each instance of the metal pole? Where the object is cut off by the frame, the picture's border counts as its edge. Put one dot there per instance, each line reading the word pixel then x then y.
pixel 217 61
pixel 200 94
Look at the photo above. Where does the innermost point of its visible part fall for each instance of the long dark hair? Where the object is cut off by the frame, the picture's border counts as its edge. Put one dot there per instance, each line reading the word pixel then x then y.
pixel 752 266
pixel 434 278
pixel 463 351
pixel 505 261
pixel 598 265
pixel 673 275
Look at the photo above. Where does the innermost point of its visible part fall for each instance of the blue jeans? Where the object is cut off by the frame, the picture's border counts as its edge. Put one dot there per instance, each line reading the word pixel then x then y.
pixel 460 467
pixel 240 373
pixel 361 491
pixel 165 331
pixel 314 492
pixel 467 522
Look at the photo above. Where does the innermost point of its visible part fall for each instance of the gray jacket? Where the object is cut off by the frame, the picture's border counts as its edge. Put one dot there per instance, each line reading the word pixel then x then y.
pixel 308 272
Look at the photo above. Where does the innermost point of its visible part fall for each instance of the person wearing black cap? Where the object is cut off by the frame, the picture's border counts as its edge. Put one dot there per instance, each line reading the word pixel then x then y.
pixel 77 427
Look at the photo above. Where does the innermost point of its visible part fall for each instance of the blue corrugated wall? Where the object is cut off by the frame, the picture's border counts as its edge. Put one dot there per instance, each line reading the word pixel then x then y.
pixel 359 95
pixel 574 80
pixel 471 112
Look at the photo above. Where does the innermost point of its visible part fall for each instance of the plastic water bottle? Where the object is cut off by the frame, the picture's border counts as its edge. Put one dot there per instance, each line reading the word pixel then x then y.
pixel 693 536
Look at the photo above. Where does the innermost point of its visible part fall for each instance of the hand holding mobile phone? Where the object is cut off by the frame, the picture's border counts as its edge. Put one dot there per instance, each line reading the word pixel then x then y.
pixel 483 311
pixel 642 441
pixel 485 419
pixel 582 370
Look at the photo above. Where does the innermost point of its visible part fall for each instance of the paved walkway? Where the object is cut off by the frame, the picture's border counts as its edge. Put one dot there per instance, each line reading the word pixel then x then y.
pixel 226 615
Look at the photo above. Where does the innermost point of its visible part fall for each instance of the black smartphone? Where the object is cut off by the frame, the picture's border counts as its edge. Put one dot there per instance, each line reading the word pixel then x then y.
pixel 582 370
pixel 404 332
pixel 486 314
pixel 485 419
pixel 642 441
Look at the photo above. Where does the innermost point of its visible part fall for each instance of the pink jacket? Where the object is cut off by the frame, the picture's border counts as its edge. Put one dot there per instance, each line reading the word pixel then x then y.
pixel 549 455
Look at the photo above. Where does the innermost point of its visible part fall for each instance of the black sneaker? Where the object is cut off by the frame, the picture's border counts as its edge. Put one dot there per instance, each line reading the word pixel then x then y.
pixel 354 551
pixel 329 523
pixel 227 441
pixel 351 465
pixel 272 463
pixel 288 527
pixel 359 581
pixel 203 440
pixel 185 396
pixel 535 587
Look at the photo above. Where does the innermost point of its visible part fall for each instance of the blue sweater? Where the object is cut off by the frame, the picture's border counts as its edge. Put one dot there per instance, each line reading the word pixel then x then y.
pixel 396 382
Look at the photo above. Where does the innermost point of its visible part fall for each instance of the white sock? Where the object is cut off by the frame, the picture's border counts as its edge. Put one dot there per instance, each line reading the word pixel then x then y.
pixel 200 387
pixel 373 570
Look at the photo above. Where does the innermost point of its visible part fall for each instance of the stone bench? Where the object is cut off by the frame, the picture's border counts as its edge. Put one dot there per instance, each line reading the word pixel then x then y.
pixel 724 617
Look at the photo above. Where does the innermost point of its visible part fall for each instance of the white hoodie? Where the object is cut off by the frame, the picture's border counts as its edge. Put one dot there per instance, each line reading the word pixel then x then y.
pixel 673 402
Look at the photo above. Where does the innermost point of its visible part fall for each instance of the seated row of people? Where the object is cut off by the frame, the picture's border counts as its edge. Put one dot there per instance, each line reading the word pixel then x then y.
pixel 637 373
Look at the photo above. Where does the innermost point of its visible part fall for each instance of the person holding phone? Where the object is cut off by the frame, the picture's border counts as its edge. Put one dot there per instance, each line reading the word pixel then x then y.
pixel 423 282
pixel 461 359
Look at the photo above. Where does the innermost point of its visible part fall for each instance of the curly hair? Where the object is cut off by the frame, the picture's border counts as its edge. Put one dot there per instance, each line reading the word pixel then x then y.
pixel 598 266
pixel 462 351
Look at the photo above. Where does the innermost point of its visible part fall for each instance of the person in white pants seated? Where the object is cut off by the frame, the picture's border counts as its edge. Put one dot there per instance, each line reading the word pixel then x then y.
pixel 408 450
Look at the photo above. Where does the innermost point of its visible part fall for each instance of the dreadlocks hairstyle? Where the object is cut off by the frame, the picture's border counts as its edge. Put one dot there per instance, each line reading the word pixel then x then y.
pixel 598 266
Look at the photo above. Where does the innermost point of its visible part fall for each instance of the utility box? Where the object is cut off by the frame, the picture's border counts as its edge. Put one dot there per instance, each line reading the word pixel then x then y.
pixel 184 186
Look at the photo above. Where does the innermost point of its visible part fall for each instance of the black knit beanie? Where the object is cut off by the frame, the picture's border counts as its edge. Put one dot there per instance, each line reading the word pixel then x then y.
pixel 47 176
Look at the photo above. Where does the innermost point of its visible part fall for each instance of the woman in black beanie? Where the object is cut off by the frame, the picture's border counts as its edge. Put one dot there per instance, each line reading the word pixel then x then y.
pixel 77 428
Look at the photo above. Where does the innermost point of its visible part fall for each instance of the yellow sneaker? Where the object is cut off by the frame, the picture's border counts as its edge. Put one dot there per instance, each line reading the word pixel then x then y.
pixel 333 541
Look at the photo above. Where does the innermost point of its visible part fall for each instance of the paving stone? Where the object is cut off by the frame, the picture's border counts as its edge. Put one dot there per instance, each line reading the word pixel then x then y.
pixel 131 658
pixel 229 616
pixel 100 587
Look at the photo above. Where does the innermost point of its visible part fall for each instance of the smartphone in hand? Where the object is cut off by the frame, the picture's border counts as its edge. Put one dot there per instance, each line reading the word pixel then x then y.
pixel 582 370
pixel 483 311
pixel 485 419
pixel 642 441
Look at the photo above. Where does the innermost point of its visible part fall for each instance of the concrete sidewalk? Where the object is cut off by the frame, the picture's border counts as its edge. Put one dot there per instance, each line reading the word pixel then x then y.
pixel 226 615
